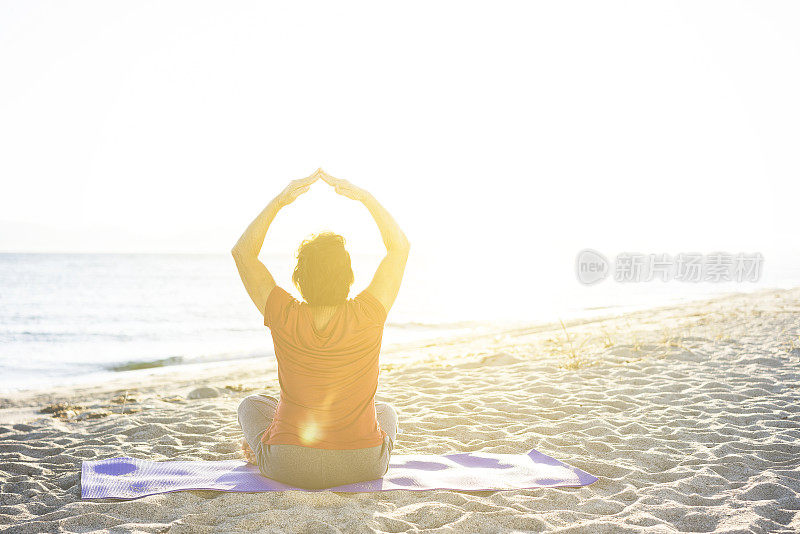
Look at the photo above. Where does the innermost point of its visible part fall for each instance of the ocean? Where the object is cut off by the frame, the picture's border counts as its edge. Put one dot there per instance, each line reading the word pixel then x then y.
pixel 67 317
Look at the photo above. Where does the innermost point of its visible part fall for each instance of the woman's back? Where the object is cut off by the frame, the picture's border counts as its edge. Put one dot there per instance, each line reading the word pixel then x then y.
pixel 329 375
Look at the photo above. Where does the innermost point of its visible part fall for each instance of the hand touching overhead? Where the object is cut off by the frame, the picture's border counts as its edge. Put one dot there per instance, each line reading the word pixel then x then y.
pixel 344 188
pixel 297 188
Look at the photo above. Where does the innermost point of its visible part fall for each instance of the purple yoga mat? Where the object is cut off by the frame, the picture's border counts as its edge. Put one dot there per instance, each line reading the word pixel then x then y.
pixel 130 478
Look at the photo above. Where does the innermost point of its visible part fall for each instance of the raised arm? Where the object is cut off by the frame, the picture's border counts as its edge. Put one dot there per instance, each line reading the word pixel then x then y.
pixel 386 282
pixel 256 278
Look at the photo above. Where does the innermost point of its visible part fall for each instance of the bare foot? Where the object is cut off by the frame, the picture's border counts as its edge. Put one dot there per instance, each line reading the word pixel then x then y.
pixel 248 452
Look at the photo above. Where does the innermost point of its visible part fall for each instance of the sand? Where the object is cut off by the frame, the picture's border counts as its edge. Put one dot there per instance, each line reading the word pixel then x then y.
pixel 690 416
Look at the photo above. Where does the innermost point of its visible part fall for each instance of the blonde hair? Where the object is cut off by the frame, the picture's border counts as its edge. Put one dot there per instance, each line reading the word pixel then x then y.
pixel 323 273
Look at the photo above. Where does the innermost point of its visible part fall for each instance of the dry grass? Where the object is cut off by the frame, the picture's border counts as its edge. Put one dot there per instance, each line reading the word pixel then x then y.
pixel 568 348
pixel 607 340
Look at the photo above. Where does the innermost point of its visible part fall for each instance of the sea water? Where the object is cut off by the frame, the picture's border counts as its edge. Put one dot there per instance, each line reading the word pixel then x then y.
pixel 64 317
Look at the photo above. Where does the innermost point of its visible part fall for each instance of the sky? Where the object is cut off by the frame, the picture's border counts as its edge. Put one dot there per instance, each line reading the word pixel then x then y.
pixel 500 135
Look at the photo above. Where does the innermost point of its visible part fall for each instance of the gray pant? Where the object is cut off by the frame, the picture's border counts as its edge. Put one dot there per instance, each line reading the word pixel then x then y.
pixel 307 467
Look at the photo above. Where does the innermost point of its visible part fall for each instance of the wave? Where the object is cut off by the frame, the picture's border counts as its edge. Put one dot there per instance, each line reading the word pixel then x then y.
pixel 135 365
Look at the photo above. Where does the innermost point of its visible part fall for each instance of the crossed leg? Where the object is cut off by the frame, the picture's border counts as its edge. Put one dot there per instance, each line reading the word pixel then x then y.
pixel 256 412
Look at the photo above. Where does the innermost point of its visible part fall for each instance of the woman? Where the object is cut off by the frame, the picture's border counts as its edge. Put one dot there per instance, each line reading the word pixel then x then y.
pixel 326 429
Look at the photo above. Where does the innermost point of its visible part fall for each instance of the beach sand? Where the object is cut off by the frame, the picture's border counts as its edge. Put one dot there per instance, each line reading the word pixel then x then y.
pixel 689 415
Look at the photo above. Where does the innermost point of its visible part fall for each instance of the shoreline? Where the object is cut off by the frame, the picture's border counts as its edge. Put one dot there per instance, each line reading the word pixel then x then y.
pixel 48 352
pixel 687 414
pixel 214 371
pixel 126 379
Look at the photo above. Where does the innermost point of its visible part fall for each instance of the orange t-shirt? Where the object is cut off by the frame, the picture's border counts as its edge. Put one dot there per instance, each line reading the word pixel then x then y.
pixel 328 378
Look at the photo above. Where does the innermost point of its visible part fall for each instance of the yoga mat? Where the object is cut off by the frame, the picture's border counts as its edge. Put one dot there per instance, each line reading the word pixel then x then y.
pixel 130 478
